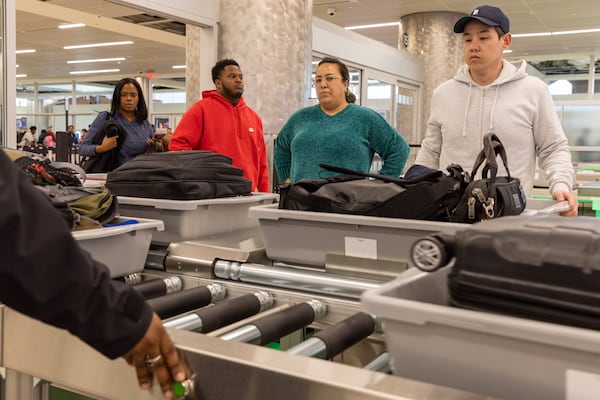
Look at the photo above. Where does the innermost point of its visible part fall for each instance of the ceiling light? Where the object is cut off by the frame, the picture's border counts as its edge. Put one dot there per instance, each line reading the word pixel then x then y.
pixel 350 28
pixel 95 60
pixel 178 66
pixel 507 51
pixel 25 51
pixel 21 75
pixel 576 32
pixel 520 35
pixel 96 71
pixel 83 46
pixel 69 26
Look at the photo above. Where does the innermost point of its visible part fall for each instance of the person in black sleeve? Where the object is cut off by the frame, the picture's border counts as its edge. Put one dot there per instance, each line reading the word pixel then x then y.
pixel 47 276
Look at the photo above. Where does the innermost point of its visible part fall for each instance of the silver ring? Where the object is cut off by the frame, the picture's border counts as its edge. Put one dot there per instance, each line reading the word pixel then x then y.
pixel 150 361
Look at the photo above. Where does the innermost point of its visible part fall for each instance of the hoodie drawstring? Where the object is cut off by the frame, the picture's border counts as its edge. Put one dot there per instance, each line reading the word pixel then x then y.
pixel 491 126
pixel 464 127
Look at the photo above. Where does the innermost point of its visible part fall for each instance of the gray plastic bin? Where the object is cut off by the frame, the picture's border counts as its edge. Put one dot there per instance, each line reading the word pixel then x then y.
pixel 122 248
pixel 306 237
pixel 195 219
pixel 501 356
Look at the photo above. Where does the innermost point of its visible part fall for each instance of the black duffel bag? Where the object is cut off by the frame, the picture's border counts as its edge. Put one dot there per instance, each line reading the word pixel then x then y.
pixel 179 175
pixel 430 196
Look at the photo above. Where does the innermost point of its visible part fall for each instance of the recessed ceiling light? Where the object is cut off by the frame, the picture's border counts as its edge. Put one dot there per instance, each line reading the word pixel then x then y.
pixel 95 60
pixel 96 71
pixel 69 26
pixel 21 75
pixel 83 46
pixel 178 67
pixel 25 51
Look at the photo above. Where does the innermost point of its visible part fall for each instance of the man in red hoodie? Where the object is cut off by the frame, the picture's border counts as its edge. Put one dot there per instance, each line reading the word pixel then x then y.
pixel 222 122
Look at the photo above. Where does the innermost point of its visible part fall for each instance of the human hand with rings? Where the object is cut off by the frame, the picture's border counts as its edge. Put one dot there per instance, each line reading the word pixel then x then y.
pixel 156 355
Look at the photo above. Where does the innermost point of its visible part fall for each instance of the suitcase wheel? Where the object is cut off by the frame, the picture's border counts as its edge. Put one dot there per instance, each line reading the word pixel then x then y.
pixel 429 253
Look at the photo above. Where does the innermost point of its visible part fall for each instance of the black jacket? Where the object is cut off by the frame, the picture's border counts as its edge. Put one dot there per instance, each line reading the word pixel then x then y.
pixel 46 275
pixel 108 161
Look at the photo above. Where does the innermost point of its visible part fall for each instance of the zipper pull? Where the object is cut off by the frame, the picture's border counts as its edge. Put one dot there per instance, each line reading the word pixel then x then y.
pixel 471 207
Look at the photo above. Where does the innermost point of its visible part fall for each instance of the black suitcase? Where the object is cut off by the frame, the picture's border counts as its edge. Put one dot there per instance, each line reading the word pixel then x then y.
pixel 542 267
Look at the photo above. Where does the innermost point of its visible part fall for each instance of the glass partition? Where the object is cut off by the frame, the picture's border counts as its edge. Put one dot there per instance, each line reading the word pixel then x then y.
pixel 380 96
pixel 407 112
pixel 581 123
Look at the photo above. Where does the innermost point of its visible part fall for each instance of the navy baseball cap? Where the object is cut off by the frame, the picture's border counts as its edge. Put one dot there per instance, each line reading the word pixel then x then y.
pixel 492 16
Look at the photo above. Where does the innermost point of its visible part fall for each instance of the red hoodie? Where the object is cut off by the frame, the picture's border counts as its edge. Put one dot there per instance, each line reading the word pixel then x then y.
pixel 215 124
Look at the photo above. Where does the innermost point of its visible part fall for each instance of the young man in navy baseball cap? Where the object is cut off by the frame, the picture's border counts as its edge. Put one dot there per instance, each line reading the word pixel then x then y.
pixel 491 94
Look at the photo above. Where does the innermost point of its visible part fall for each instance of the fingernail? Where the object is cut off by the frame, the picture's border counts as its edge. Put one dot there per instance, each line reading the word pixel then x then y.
pixel 144 386
pixel 180 376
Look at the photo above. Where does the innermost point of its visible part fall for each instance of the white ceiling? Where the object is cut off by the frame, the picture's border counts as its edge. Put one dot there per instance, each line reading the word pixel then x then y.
pixel 157 50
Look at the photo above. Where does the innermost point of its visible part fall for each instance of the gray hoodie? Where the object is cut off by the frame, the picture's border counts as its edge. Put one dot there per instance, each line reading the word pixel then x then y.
pixel 516 107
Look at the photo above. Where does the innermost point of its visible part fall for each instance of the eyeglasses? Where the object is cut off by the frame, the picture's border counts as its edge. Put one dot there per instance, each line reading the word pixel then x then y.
pixel 329 78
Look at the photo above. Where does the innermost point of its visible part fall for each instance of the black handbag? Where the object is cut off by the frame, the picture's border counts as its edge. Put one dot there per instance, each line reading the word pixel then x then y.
pixel 492 196
pixel 432 195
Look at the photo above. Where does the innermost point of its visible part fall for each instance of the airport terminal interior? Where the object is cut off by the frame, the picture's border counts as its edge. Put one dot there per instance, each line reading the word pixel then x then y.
pixel 274 303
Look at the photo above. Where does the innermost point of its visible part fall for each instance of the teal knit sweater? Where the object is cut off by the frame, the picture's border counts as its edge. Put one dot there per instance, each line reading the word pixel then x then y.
pixel 347 139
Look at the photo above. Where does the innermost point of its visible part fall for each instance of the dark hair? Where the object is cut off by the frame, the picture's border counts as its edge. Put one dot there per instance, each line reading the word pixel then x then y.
pixel 33 128
pixel 220 67
pixel 141 111
pixel 499 31
pixel 350 97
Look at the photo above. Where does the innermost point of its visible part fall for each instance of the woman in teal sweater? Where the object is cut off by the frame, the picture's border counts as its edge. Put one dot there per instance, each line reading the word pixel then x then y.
pixel 336 132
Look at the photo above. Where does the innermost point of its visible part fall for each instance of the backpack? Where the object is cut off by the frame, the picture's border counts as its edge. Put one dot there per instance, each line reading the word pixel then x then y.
pixel 179 175
pixel 81 208
pixel 432 195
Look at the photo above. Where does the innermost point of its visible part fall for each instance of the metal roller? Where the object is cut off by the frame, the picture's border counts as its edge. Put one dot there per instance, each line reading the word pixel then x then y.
pixel 277 325
pixel 223 313
pixel 381 363
pixel 315 282
pixel 331 341
pixel 186 300
pixel 158 287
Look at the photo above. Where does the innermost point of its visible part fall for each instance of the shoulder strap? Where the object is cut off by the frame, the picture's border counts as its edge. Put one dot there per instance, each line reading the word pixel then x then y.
pixel 399 181
pixel 347 171
pixel 492 148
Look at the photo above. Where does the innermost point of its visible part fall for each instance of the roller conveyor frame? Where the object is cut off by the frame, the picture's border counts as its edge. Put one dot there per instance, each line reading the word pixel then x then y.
pixel 225 370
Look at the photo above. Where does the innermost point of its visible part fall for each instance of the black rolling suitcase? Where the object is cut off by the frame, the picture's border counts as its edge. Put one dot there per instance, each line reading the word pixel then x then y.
pixel 545 268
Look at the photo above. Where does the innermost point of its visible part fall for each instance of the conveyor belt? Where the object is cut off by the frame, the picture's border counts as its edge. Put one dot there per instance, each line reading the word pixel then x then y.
pixel 226 369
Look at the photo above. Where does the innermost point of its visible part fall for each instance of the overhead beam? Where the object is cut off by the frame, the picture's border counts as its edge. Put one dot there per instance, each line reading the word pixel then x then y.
pixel 97 21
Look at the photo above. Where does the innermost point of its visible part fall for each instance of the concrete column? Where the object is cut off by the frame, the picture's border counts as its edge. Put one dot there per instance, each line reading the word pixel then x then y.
pixel 430 36
pixel 147 91
pixel 271 40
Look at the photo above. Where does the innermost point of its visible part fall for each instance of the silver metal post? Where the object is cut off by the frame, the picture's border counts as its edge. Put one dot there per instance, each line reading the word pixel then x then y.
pixel 317 282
